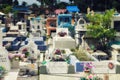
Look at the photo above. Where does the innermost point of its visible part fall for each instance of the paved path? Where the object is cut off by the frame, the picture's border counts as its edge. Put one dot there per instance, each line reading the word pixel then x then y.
pixel 12 75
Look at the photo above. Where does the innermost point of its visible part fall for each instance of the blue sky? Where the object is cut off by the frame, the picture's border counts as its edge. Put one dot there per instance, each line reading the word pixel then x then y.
pixel 35 1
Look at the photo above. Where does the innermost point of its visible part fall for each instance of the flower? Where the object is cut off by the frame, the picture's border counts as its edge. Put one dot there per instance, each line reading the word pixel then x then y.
pixel 16 56
pixel 58 55
pixel 62 34
pixel 90 76
pixel 89 65
pixel 58 52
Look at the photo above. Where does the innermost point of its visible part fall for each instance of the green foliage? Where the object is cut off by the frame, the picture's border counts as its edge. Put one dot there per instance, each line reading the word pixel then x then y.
pixel 62 5
pixel 2 71
pixel 27 54
pixel 28 34
pixel 99 27
pixel 7 9
pixel 15 14
pixel 24 3
pixel 80 55
pixel 15 3
pixel 106 19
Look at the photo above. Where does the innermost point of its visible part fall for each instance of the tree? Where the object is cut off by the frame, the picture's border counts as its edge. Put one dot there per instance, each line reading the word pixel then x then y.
pixel 42 2
pixel 9 2
pixel 99 27
pixel 15 3
pixel 49 3
pixel 35 8
pixel 71 1
pixel 24 3
pixel 62 5
pixel 7 9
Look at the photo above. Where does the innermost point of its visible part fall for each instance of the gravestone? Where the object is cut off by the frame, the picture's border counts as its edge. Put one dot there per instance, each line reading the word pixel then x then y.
pixel 4 61
pixel 104 67
pixel 57 67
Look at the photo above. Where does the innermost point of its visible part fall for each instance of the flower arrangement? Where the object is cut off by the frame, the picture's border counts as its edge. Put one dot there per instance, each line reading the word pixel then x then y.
pixel 16 56
pixel 25 51
pixel 58 55
pixel 58 52
pixel 62 34
pixel 91 77
pixel 88 67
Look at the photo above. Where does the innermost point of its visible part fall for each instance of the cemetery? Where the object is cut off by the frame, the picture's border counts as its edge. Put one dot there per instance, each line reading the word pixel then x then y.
pixel 63 43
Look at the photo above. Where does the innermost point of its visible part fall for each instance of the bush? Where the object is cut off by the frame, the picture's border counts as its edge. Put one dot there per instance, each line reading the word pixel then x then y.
pixel 2 71
pixel 80 55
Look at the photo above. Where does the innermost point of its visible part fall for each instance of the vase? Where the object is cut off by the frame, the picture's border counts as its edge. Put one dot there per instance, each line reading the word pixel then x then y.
pixel 87 71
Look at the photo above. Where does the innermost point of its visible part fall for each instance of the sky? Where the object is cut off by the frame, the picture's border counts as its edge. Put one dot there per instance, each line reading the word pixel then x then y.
pixel 29 1
pixel 35 1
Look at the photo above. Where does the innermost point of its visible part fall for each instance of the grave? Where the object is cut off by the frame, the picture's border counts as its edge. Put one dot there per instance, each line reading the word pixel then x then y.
pixel 4 61
pixel 104 67
pixel 57 67
pixel 63 42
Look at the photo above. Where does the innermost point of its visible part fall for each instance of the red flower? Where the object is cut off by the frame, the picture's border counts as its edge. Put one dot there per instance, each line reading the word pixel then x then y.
pixel 62 34
pixel 58 52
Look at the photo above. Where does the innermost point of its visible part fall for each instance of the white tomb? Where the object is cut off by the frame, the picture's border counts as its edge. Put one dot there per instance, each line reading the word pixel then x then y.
pixel 104 67
pixel 22 27
pixel 32 49
pixel 79 28
pixel 66 42
pixel 4 61
pixel 57 67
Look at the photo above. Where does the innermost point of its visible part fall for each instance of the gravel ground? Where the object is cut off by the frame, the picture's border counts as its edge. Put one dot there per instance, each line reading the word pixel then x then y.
pixel 27 78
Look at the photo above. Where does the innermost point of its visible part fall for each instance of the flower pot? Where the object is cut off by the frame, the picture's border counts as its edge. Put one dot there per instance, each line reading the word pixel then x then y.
pixel 87 71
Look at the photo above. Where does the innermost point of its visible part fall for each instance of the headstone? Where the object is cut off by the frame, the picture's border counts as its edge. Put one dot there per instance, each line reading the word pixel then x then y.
pixel 43 69
pixel 1 38
pixel 104 67
pixel 79 67
pixel 57 67
pixel 71 69
pixel 4 61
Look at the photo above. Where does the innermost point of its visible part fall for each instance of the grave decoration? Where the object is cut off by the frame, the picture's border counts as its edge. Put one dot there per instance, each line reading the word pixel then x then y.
pixel 88 67
pixel 62 34
pixel 16 56
pixel 58 55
